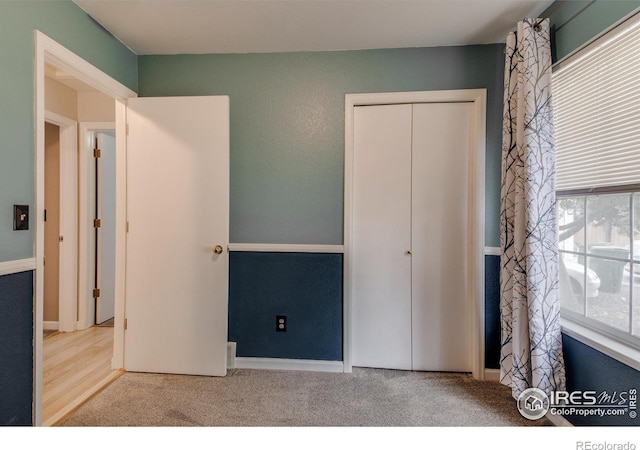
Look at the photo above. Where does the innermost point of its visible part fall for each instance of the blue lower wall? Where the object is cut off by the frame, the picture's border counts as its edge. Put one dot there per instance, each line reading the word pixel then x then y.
pixel 305 287
pixel 16 350
pixel 492 312
pixel 589 370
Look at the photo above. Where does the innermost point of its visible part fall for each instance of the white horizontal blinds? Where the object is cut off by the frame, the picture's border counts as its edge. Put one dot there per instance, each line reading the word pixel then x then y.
pixel 596 101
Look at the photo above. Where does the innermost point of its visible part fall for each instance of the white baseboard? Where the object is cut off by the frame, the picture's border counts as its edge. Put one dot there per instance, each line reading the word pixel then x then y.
pixel 50 325
pixel 289 364
pixel 492 375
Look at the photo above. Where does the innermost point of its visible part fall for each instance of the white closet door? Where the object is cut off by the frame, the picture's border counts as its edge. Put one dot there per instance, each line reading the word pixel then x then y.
pixel 440 228
pixel 381 239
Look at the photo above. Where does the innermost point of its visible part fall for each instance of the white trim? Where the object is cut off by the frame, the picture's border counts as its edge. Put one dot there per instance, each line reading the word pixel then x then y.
pixel 289 364
pixel 49 51
pixel 86 252
pixel 121 234
pixel 17 266
pixel 68 262
pixel 286 248
pixel 50 325
pixel 492 251
pixel 617 350
pixel 492 375
pixel 76 67
pixel 558 420
pixel 476 205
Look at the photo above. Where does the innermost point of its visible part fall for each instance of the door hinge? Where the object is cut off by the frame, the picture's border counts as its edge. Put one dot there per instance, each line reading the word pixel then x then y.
pixel 126 323
pixel 44 260
pixel 127 129
pixel 60 238
pixel 97 153
pixel 96 223
pixel 96 293
pixel 127 226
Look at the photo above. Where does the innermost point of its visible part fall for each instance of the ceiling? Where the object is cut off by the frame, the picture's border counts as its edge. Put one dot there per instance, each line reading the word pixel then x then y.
pixel 260 26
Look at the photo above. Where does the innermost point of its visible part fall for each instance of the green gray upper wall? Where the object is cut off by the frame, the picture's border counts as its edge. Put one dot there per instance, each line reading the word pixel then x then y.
pixel 287 125
pixel 576 22
pixel 67 24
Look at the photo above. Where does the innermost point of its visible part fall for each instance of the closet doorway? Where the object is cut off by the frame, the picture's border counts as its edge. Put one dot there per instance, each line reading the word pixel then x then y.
pixel 414 235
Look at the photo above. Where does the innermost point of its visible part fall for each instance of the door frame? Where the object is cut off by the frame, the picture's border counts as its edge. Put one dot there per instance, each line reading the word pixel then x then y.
pixel 476 208
pixel 48 51
pixel 68 293
pixel 86 252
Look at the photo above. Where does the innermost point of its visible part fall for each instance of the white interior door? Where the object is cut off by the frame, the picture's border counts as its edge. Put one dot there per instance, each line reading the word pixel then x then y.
pixel 381 280
pixel 106 248
pixel 177 209
pixel 441 326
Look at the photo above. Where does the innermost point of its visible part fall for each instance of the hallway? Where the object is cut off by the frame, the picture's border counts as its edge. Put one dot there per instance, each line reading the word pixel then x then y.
pixel 76 365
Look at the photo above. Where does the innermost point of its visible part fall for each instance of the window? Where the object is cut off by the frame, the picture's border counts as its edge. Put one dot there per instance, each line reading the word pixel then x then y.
pixel 596 96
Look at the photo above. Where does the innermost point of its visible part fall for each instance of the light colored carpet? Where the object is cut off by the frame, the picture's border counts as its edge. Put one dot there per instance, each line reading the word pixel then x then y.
pixel 366 397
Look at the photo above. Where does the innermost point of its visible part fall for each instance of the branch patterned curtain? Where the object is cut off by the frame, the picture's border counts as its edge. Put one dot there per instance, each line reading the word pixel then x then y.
pixel 531 351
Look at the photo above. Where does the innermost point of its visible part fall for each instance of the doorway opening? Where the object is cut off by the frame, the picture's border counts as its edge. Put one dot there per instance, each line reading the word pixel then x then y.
pixel 51 55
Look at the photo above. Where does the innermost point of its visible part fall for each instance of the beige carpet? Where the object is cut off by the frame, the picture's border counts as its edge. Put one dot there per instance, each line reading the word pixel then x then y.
pixel 366 397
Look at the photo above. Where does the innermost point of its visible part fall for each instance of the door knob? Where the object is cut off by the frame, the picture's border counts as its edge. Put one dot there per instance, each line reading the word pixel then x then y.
pixel 217 249
pixel 408 252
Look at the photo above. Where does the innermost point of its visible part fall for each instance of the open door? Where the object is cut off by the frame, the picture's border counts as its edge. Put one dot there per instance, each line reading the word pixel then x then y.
pixel 104 225
pixel 178 216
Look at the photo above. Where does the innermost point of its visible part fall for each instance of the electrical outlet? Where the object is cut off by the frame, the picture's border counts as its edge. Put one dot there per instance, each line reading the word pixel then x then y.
pixel 281 324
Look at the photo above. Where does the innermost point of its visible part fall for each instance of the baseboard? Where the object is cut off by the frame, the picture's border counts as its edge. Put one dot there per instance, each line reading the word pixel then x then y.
pixel 289 364
pixel 50 325
pixel 492 375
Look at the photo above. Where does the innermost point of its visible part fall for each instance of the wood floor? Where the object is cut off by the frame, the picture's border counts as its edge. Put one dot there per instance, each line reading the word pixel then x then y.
pixel 75 366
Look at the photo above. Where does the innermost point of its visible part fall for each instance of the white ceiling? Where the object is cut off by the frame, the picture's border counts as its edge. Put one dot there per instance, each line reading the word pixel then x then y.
pixel 257 26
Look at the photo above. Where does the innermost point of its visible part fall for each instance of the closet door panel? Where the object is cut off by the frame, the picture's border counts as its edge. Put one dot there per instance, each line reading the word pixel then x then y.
pixel 440 237
pixel 381 282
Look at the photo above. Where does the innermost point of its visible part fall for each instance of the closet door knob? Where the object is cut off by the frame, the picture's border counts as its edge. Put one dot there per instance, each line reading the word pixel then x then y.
pixel 408 252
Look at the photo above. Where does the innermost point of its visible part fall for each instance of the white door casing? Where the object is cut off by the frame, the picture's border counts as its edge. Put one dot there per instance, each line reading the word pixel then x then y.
pixel 177 210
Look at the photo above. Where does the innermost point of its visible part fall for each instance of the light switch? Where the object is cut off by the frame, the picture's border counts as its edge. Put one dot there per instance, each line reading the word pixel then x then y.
pixel 20 217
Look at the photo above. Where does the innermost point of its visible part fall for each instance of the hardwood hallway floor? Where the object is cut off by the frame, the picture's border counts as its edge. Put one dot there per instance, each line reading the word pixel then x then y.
pixel 75 366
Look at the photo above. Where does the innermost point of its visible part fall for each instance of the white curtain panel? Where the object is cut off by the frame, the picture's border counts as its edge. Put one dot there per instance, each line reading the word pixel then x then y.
pixel 531 352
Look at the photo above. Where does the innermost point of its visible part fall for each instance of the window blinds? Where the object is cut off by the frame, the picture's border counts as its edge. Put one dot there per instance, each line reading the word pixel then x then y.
pixel 596 101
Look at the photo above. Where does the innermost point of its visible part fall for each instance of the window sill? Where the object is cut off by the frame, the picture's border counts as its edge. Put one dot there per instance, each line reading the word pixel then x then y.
pixel 619 351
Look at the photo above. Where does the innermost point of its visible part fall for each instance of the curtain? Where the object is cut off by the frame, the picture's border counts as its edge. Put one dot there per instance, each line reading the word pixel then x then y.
pixel 531 346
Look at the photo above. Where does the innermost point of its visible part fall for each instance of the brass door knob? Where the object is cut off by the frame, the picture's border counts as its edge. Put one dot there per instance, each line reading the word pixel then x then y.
pixel 218 249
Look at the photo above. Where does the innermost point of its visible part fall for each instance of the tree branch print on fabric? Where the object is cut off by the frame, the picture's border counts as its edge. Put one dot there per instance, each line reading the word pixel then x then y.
pixel 531 351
